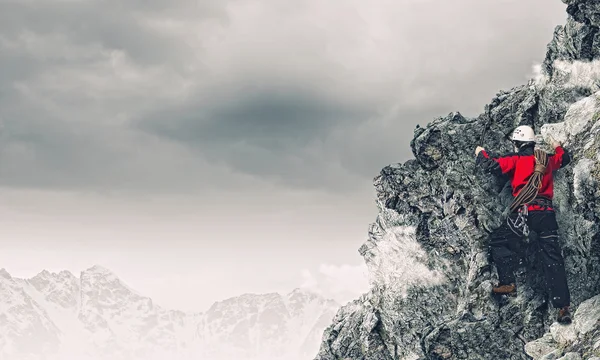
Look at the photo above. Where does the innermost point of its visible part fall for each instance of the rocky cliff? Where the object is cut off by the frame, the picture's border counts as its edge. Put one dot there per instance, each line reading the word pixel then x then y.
pixel 427 251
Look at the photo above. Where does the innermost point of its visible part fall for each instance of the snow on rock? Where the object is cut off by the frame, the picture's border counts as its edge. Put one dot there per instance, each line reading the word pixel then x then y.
pixel 579 117
pixel 397 260
pixel 577 73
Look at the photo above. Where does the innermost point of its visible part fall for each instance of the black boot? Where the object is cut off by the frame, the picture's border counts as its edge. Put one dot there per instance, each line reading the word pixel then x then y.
pixel 564 316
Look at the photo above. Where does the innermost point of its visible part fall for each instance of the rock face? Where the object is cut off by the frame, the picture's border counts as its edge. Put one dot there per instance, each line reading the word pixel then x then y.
pixel 581 340
pixel 427 251
pixel 97 317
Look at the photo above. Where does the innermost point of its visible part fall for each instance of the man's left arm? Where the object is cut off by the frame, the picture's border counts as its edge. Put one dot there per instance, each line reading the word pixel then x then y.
pixel 561 157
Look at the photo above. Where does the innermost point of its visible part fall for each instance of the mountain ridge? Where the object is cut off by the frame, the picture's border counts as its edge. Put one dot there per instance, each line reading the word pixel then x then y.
pixel 98 316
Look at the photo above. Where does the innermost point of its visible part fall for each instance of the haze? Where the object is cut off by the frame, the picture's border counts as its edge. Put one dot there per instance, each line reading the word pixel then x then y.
pixel 201 150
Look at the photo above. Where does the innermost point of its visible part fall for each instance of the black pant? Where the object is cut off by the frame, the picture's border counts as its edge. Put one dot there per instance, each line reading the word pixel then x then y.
pixel 505 252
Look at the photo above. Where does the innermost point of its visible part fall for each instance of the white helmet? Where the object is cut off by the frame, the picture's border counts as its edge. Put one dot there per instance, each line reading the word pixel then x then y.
pixel 523 133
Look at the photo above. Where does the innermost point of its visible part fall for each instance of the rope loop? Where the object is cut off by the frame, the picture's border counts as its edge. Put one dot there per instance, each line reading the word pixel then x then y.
pixel 534 184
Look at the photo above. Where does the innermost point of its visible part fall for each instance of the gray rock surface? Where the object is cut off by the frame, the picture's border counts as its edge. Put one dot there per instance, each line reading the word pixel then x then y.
pixel 577 341
pixel 427 251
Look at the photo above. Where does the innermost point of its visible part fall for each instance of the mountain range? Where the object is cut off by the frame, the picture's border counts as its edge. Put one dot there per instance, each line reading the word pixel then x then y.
pixel 97 316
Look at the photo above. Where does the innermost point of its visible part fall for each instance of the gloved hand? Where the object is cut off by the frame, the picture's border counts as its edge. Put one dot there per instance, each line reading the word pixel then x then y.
pixel 478 149
pixel 553 142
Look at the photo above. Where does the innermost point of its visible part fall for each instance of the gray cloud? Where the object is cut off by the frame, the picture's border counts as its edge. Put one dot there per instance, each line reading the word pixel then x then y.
pixel 109 24
pixel 275 119
pixel 171 97
pixel 271 132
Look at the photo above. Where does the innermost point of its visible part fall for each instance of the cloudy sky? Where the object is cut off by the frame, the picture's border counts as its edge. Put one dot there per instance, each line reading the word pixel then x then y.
pixel 202 149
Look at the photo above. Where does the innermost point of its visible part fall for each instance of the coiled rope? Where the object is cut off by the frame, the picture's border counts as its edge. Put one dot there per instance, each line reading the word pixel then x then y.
pixel 531 189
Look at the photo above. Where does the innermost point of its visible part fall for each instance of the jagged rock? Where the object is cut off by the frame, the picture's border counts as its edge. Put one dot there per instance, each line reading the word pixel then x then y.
pixel 581 338
pixel 578 39
pixel 571 356
pixel 541 347
pixel 556 354
pixel 563 335
pixel 427 253
pixel 357 333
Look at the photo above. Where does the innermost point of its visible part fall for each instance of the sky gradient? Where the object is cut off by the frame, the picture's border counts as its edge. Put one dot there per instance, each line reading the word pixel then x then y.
pixel 205 149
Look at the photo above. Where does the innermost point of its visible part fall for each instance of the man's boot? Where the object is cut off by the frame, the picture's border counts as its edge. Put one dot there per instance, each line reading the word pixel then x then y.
pixel 510 290
pixel 564 315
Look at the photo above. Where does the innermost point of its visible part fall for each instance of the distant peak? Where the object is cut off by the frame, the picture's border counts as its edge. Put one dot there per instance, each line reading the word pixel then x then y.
pixel 299 291
pixel 45 274
pixel 98 269
pixel 66 273
pixel 5 274
pixel 304 292
pixel 309 294
pixel 41 276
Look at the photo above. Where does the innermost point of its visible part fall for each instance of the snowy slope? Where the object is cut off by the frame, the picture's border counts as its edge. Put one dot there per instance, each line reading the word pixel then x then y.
pixel 267 326
pixel 96 316
pixel 25 326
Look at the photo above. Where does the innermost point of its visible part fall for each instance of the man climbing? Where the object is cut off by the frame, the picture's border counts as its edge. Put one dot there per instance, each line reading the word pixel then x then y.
pixel 531 176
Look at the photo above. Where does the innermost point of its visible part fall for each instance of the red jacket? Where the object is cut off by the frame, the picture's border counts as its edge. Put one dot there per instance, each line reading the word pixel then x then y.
pixel 519 167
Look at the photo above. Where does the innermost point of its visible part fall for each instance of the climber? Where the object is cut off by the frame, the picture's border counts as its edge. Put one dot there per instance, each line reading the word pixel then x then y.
pixel 531 177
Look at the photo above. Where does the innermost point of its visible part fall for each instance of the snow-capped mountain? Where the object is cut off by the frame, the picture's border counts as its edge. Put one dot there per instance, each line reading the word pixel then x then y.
pixel 97 316
pixel 265 326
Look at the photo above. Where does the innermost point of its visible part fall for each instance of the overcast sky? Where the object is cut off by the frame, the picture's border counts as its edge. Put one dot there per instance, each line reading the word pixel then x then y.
pixel 201 149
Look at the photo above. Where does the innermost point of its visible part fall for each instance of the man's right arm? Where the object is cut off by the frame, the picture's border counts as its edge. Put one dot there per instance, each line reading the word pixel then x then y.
pixel 560 159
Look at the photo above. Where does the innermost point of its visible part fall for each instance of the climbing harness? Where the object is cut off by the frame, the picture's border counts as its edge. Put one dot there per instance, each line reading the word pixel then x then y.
pixel 542 202
pixel 519 225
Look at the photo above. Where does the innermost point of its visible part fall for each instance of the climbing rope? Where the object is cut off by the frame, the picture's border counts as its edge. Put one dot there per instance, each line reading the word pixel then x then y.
pixel 530 190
